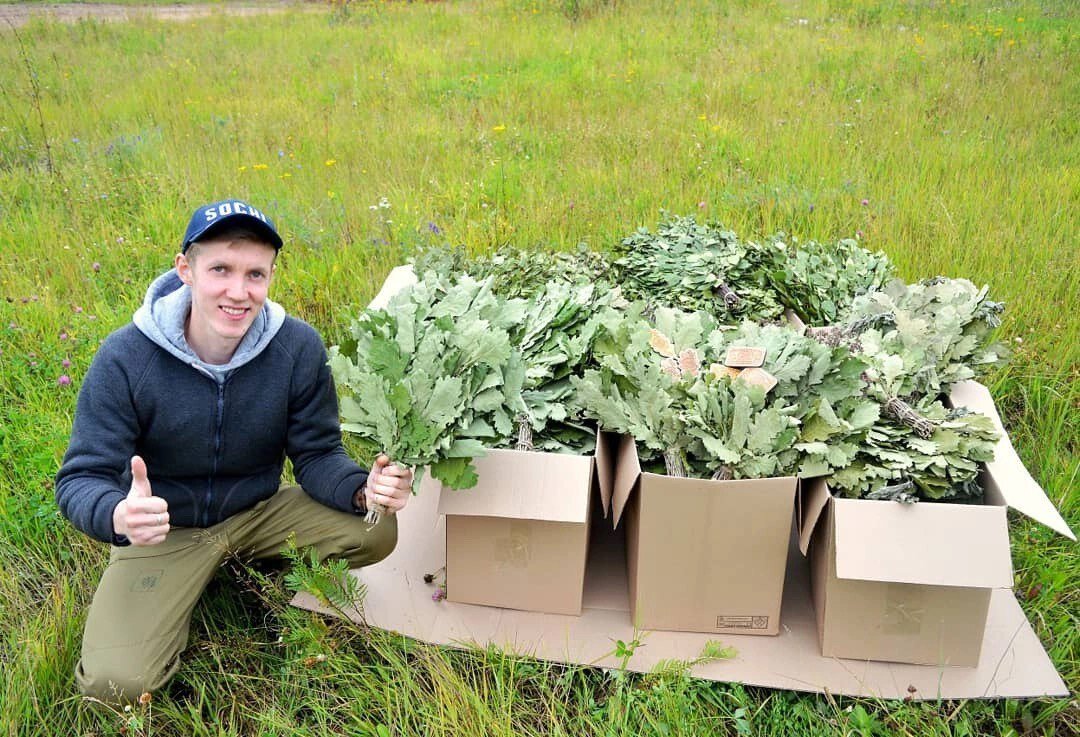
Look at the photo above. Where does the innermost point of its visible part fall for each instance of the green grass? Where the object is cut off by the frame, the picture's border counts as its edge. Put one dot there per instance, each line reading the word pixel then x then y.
pixel 540 124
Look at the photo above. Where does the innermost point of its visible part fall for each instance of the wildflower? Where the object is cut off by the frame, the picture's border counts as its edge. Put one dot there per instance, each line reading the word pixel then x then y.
pixel 439 595
pixel 76 309
pixel 145 698
pixel 242 168
pixel 811 208
pixel 63 336
pixel 331 162
pixel 95 266
pixel 63 380
pixel 66 363
pixel 330 194
pixel 858 234
pixel 499 128
pixel 865 202
pixel 434 228
pixel 259 167
pixel 701 204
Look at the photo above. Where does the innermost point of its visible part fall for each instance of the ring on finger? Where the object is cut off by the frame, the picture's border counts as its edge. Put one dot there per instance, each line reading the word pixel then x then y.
pixel 160 520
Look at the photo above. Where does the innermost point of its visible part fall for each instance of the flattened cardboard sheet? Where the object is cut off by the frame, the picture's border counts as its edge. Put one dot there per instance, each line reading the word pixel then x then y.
pixel 1013 662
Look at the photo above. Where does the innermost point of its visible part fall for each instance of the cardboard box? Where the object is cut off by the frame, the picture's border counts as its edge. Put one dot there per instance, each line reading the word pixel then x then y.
pixel 912 583
pixel 519 539
pixel 703 555
pixel 906 583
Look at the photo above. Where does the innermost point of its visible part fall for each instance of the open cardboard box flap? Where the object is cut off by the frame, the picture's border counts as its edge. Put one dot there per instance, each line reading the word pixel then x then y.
pixel 627 473
pixel 1012 479
pixel 519 484
pixel 934 544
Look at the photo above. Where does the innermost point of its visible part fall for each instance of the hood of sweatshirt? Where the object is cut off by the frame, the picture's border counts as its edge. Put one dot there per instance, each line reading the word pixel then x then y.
pixel 164 313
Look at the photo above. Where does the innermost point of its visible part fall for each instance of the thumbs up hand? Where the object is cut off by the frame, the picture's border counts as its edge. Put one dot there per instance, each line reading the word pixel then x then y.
pixel 142 517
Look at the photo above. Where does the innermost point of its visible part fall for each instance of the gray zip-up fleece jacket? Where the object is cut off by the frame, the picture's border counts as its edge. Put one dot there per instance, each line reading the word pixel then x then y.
pixel 214 438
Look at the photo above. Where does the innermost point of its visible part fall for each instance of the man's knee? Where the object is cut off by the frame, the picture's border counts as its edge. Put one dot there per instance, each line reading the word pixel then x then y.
pixel 123 674
pixel 116 682
pixel 376 542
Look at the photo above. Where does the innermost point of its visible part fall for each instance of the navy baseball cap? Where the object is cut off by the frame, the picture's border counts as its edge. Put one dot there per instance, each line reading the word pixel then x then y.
pixel 218 216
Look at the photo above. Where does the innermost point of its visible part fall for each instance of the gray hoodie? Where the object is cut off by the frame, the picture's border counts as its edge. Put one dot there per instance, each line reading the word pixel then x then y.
pixel 163 314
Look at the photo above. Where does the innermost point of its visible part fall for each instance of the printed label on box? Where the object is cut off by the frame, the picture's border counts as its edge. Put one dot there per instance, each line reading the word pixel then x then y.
pixel 742 623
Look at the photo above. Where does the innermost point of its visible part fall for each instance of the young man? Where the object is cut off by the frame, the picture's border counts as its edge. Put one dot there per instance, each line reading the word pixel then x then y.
pixel 182 426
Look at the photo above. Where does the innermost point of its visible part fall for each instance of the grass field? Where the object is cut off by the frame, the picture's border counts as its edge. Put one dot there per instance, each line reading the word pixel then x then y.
pixel 945 133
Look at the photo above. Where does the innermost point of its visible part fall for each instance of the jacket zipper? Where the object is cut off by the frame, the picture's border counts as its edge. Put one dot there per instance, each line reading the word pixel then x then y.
pixel 218 420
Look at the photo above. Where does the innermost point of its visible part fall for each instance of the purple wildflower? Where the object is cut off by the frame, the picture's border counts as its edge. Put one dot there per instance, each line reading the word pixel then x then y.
pixel 865 202
pixel 64 380
pixel 95 266
pixel 66 363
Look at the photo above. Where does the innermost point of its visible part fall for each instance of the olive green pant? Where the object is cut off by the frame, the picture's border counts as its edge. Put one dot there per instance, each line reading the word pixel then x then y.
pixel 139 620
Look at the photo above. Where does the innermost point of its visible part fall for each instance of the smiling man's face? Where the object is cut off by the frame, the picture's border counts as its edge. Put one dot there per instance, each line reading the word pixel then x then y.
pixel 229 280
